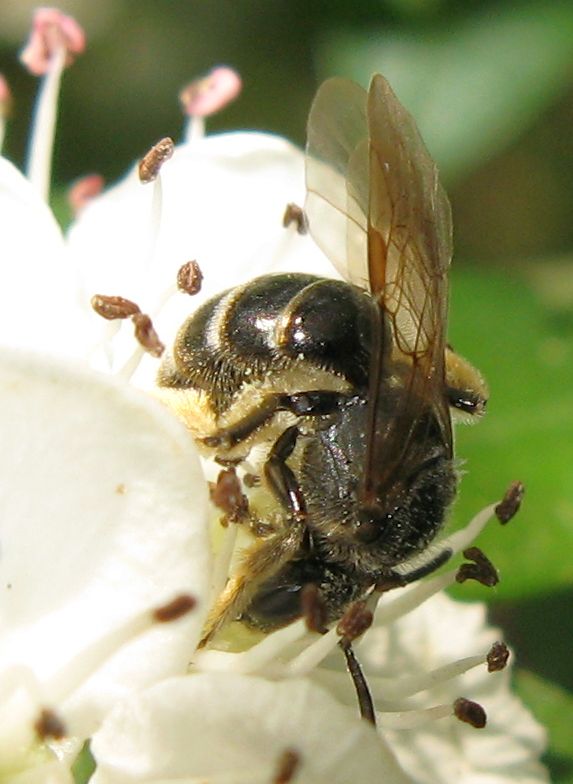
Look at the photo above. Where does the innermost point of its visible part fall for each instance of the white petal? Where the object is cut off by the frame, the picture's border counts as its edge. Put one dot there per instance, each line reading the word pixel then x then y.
pixel 38 307
pixel 103 510
pixel 231 728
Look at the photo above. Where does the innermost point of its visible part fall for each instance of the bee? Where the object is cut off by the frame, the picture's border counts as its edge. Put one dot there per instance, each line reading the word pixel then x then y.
pixel 346 388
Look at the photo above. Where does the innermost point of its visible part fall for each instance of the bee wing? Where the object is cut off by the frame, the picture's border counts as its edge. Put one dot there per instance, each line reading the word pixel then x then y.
pixel 376 207
pixel 337 177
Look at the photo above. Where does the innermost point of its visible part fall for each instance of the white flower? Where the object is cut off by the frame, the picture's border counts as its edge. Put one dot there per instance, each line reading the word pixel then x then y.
pixel 105 521
pixel 102 522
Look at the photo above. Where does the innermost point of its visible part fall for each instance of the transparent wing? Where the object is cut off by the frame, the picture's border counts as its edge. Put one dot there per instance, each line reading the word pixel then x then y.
pixel 337 177
pixel 376 207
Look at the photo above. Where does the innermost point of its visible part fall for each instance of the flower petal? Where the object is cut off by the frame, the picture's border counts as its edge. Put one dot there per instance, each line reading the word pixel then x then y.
pixel 103 516
pixel 231 728
pixel 38 307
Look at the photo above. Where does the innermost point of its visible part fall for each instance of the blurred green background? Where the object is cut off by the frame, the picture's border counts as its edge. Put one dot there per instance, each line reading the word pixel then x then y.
pixel 491 86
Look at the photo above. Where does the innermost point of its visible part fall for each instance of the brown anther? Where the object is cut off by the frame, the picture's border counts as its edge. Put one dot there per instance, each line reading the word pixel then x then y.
pixel 313 609
pixel 227 494
pixel 112 308
pixel 146 335
pixel 251 480
pixel 295 214
pixel 153 160
pixel 470 712
pixel 497 657
pixel 49 725
pixel 510 503
pixel 355 621
pixel 175 609
pixel 481 569
pixel 287 766
pixel 190 278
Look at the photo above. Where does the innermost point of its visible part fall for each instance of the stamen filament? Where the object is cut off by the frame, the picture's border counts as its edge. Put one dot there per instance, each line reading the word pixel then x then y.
pixel 194 129
pixel 459 540
pixel 44 125
pixel 408 720
pixel 256 657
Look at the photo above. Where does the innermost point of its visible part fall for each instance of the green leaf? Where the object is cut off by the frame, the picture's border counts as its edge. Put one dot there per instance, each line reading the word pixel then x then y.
pixel 84 765
pixel 553 707
pixel 526 354
pixel 472 86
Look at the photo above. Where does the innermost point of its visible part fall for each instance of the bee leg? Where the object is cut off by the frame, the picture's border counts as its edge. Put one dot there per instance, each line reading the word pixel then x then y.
pixel 281 478
pixel 262 561
pixel 266 558
pixel 312 403
pixel 397 579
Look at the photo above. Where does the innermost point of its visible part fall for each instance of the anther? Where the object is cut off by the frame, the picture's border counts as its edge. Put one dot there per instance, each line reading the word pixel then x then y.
pixel 510 503
pixel 211 93
pixel 51 31
pixel 175 609
pixel 146 335
pixel 313 609
pixel 84 190
pixel 112 308
pixel 481 569
pixel 470 712
pixel 355 621
pixel 497 657
pixel 49 725
pixel 153 160
pixel 227 495
pixel 190 278
pixel 295 214
pixel 287 766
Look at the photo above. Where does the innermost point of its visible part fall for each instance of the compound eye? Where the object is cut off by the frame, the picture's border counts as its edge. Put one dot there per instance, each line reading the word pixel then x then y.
pixel 372 524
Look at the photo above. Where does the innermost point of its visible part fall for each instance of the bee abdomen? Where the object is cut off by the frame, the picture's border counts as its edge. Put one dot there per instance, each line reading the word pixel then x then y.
pixel 275 322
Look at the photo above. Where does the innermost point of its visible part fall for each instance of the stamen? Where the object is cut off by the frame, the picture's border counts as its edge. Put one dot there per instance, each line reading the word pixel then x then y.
pixel 146 335
pixel 510 503
pixel 470 712
pixel 459 540
pixel 355 621
pixel 412 719
pixel 481 569
pixel 5 107
pixel 206 96
pixel 295 214
pixel 227 494
pixel 176 608
pixel 497 657
pixel 313 609
pixel 257 657
pixel 287 766
pixel 49 725
pixel 54 41
pixel 151 163
pixel 83 191
pixel 190 278
pixel 91 659
pixel 112 308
